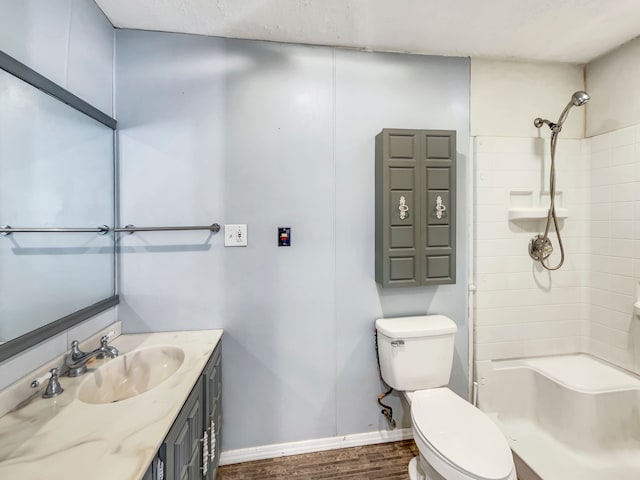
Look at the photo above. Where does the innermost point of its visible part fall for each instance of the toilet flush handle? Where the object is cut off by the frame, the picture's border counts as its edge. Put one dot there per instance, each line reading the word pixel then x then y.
pixel 397 343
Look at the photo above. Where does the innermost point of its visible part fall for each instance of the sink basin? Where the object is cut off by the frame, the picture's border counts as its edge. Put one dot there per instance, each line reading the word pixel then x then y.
pixel 132 374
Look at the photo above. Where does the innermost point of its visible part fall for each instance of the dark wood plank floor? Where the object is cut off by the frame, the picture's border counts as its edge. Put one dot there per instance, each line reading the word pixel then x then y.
pixel 383 461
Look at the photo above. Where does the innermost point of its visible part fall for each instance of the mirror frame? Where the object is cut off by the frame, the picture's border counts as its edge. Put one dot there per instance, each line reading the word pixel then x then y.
pixel 34 337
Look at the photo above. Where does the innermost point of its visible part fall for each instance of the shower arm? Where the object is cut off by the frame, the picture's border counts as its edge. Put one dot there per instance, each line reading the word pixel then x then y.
pixel 555 127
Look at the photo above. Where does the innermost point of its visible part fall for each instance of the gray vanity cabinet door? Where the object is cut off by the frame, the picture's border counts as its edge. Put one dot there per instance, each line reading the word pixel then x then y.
pixel 183 445
pixel 415 207
pixel 213 410
pixel 148 474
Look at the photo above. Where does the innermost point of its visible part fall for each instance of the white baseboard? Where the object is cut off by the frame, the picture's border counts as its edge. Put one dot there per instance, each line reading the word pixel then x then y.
pixel 316 445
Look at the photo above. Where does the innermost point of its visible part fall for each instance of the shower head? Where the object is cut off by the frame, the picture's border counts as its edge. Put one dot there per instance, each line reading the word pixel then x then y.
pixel 579 98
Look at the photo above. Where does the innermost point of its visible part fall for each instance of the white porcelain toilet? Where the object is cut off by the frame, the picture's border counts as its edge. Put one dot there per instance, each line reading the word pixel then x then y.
pixel 456 440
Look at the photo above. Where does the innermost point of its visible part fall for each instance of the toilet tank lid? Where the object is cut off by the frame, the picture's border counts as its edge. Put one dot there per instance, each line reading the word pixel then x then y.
pixel 417 326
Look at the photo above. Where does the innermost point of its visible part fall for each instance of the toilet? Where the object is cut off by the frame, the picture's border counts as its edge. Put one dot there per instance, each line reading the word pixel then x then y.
pixel 455 439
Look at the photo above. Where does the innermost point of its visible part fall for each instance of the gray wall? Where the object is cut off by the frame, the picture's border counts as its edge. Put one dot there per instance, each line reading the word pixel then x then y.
pixel 273 135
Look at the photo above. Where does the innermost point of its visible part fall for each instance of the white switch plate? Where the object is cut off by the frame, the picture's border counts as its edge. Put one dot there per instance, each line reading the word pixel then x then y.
pixel 235 235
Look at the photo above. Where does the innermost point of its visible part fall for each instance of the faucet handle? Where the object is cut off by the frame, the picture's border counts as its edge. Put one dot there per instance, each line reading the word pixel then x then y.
pixel 106 348
pixel 53 388
pixel 75 351
pixel 107 337
pixel 40 380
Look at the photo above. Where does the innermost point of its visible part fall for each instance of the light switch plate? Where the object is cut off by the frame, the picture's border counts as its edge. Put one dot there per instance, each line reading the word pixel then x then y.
pixel 235 235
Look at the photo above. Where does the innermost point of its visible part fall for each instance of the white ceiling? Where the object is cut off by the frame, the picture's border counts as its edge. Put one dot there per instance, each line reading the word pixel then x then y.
pixel 574 31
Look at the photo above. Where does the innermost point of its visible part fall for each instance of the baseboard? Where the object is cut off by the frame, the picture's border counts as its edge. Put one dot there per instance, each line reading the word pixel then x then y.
pixel 316 445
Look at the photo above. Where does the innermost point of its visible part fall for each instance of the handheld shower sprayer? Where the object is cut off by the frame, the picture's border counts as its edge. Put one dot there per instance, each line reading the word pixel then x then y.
pixel 540 247
pixel 578 99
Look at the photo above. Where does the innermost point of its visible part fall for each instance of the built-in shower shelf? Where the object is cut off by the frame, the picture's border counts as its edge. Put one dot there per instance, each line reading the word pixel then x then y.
pixel 535 213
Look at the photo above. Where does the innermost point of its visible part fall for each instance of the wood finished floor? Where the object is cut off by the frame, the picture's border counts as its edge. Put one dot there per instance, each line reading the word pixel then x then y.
pixel 383 461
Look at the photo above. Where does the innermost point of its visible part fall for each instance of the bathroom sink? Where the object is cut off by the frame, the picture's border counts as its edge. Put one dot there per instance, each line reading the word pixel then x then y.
pixel 129 375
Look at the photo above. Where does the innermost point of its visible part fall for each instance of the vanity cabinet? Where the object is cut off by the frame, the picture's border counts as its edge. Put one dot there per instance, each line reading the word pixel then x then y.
pixel 192 446
pixel 211 376
pixel 183 444
pixel 415 175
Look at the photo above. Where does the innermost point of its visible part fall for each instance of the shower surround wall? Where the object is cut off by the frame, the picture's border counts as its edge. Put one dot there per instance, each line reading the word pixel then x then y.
pixel 615 246
pixel 589 306
pixel 613 122
pixel 520 309
pixel 277 135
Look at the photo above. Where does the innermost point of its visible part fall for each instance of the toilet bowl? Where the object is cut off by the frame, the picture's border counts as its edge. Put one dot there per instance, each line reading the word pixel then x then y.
pixel 456 440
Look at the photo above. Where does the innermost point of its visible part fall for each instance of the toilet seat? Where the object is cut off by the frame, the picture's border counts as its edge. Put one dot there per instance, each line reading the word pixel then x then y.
pixel 457 439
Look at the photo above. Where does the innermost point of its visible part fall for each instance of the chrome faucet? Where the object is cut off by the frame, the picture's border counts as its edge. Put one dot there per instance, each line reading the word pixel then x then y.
pixel 76 360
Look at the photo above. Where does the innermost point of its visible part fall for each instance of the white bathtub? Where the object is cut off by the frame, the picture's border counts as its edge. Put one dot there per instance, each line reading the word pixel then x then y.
pixel 566 417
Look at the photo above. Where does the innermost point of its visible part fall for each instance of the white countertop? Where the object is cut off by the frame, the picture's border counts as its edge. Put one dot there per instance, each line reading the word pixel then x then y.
pixel 65 438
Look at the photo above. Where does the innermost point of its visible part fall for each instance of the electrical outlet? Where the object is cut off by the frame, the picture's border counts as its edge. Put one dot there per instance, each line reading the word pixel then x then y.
pixel 235 235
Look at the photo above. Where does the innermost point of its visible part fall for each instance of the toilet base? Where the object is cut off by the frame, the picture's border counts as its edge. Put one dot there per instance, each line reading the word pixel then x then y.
pixel 414 472
pixel 419 469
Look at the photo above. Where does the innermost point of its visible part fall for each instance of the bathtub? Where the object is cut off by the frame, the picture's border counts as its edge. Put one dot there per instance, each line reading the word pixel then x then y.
pixel 565 417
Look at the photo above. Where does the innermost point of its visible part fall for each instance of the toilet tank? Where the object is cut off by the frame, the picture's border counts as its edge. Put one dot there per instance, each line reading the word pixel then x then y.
pixel 416 353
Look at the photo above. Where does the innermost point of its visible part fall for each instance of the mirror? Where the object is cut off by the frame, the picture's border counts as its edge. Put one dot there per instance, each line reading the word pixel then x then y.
pixel 56 171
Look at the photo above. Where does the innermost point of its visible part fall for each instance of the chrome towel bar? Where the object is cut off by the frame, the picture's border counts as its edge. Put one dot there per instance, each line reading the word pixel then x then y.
pixel 103 229
pixel 214 227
